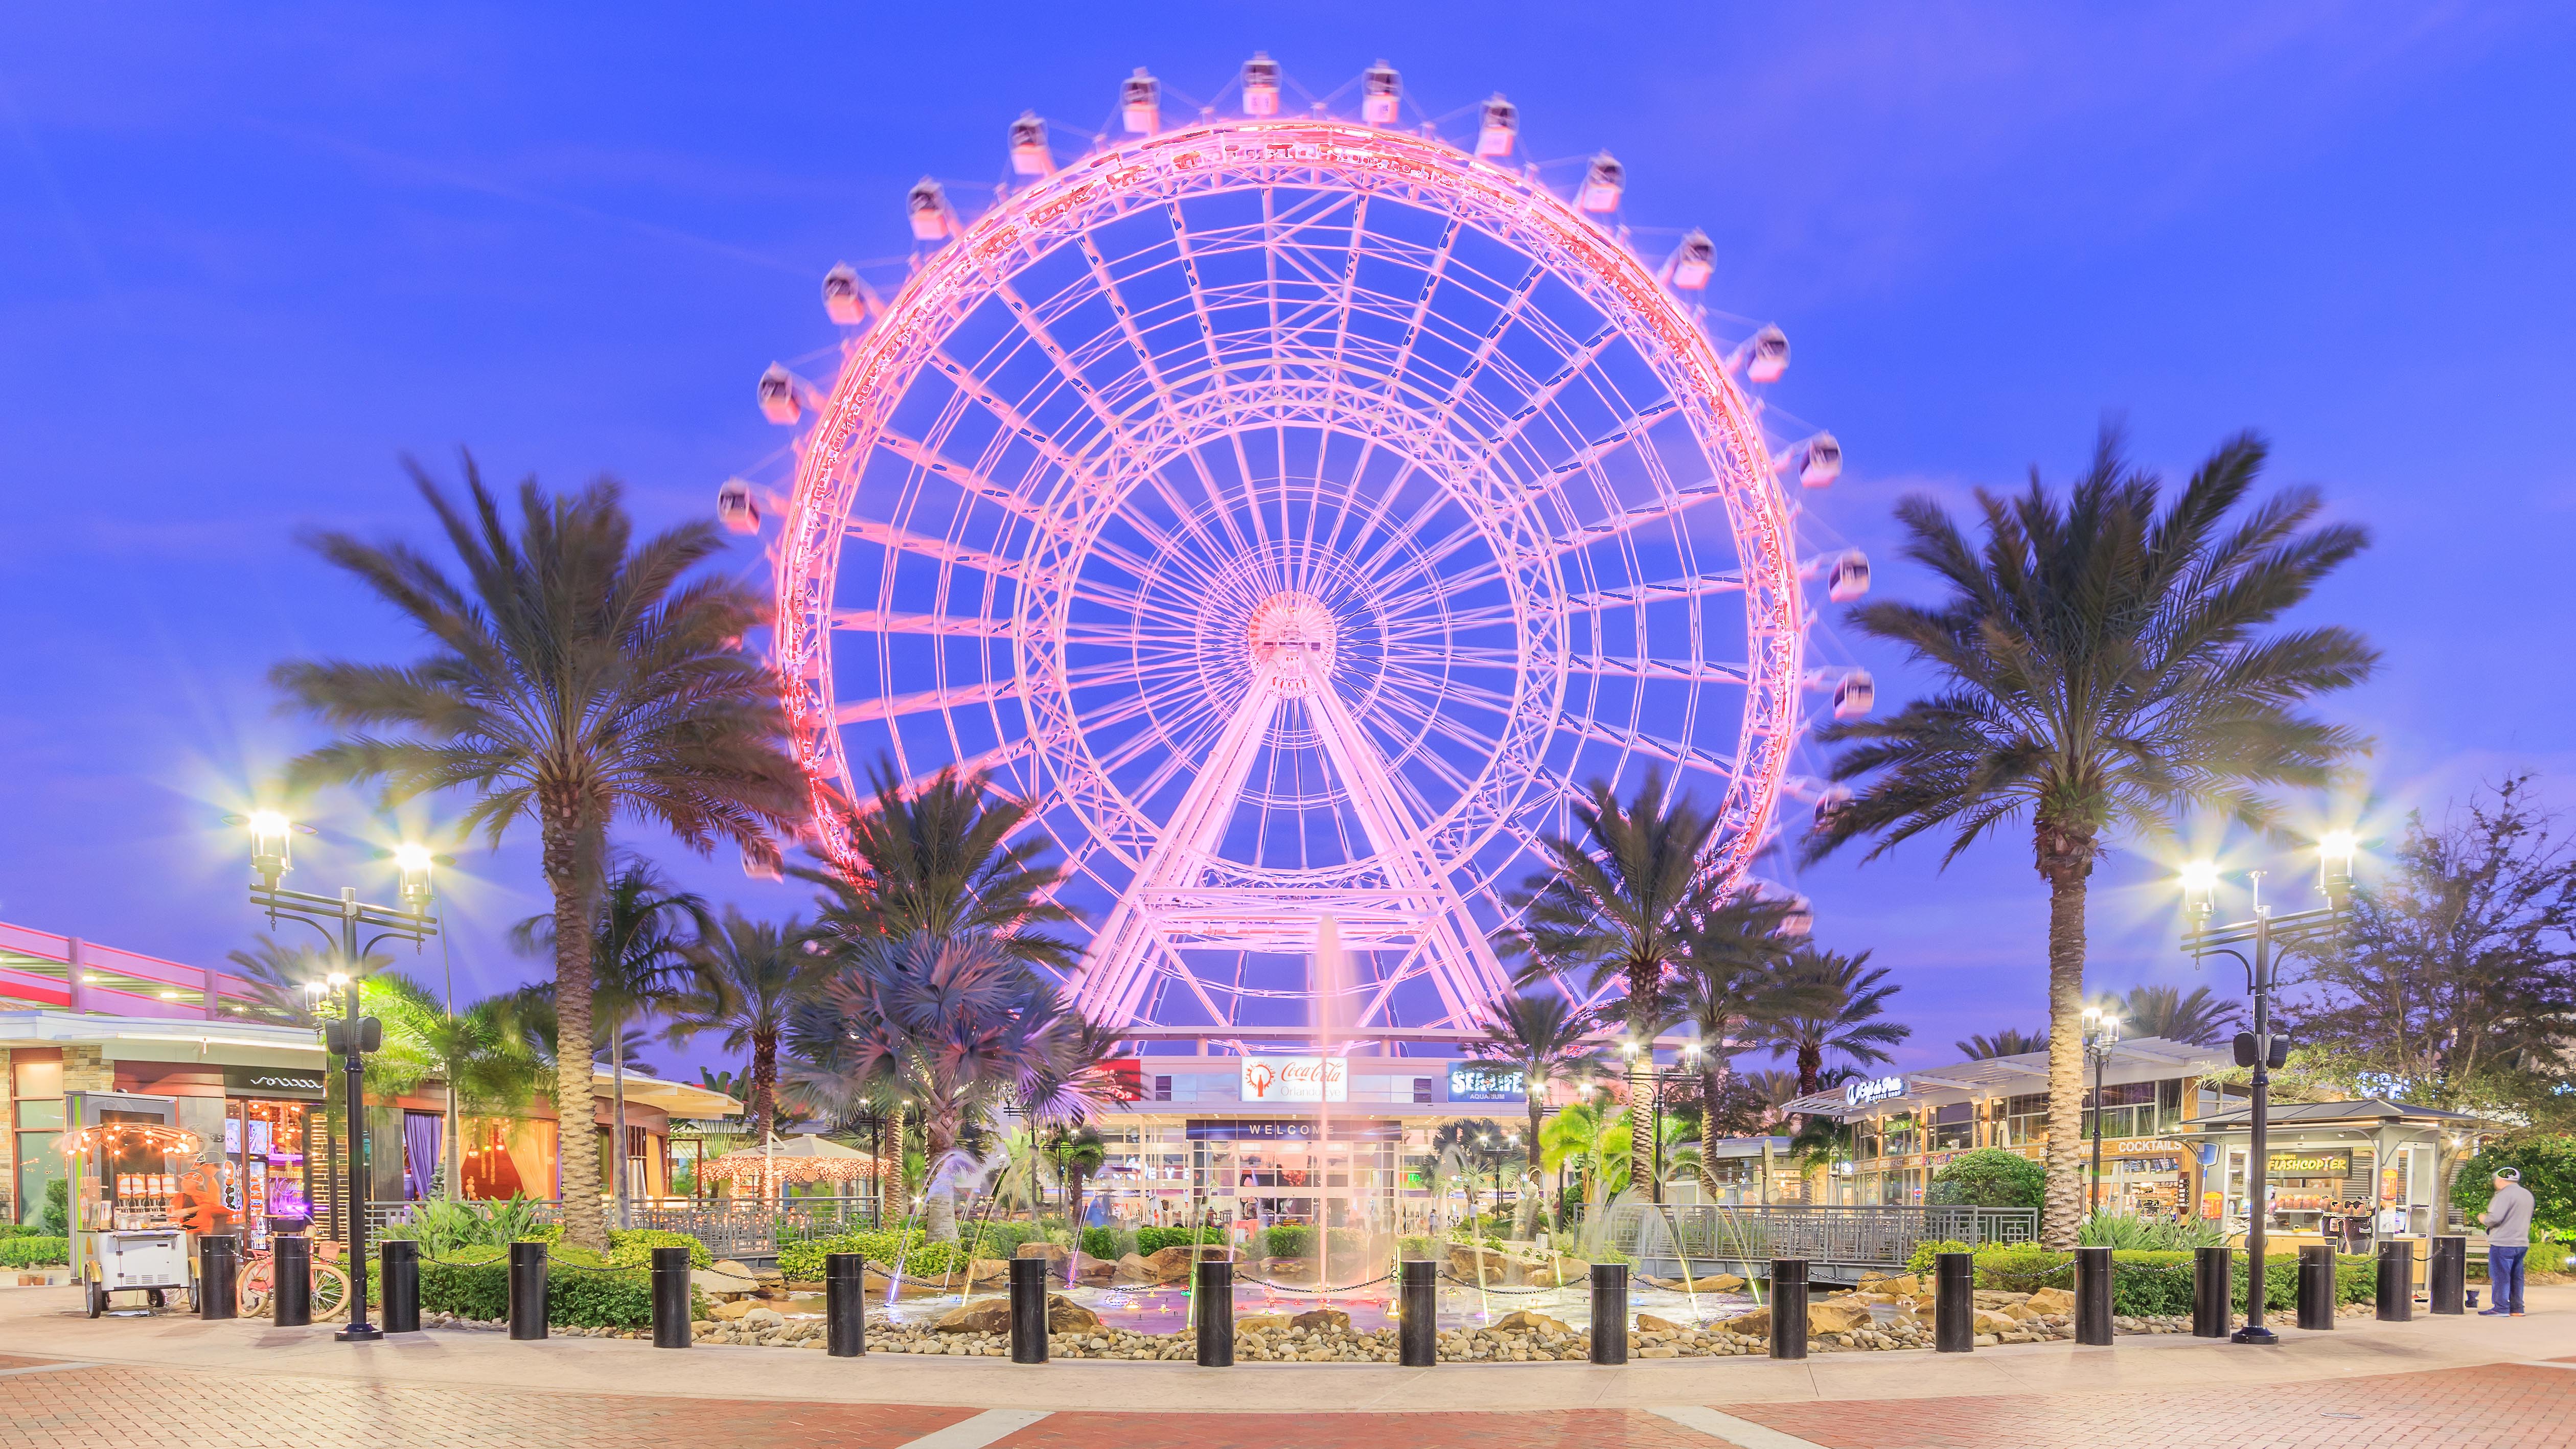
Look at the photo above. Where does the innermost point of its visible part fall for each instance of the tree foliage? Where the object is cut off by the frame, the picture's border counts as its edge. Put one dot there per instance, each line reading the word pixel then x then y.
pixel 2011 1041
pixel 1989 1177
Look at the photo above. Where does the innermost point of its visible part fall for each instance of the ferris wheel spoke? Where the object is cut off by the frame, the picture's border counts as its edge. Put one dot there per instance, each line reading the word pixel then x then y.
pixel 878 621
pixel 1631 739
pixel 1702 671
pixel 982 691
pixel 1631 595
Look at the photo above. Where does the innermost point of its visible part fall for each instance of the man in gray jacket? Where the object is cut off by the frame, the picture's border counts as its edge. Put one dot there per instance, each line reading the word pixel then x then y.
pixel 2508 1224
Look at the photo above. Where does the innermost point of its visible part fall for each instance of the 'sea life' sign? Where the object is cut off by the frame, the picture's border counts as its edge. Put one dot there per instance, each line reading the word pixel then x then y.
pixel 1296 1079
pixel 1877 1089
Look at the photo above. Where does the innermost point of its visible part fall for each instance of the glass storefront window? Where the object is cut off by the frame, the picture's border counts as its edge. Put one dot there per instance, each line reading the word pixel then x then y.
pixel 37 1079
pixel 41 1116
pixel 1953 1126
pixel 38 1164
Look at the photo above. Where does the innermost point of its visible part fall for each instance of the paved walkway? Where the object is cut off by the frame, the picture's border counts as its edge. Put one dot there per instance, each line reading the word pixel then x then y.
pixel 66 1380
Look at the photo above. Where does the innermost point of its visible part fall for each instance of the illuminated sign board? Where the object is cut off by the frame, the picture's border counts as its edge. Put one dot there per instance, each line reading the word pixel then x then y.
pixel 1485 1082
pixel 1296 1079
pixel 2311 1164
pixel 1878 1089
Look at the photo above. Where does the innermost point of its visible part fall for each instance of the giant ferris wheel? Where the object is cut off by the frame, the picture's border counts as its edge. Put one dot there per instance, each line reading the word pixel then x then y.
pixel 1296 513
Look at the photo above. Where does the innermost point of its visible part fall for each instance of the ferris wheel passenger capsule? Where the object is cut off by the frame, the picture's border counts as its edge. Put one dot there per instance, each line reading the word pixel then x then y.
pixel 1261 85
pixel 1602 185
pixel 1831 803
pixel 843 302
pixel 1499 127
pixel 1820 459
pixel 778 400
pixel 1029 154
pixel 1764 358
pixel 1849 578
pixel 1380 88
pixel 1693 260
pixel 1855 696
pixel 734 506
pixel 1800 920
pixel 928 208
pixel 1140 103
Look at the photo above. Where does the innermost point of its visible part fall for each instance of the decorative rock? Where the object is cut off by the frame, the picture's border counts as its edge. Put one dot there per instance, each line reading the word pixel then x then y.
pixel 1064 1315
pixel 1833 1317
pixel 1331 1319
pixel 1531 1321
pixel 1261 1323
pixel 988 1270
pixel 987 1315
pixel 1134 1269
pixel 1649 1323
pixel 1052 1252
pixel 732 1309
pixel 2053 1300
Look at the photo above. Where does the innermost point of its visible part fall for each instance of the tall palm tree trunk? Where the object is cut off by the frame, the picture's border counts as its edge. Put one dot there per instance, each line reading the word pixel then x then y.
pixel 939 1208
pixel 1645 980
pixel 617 1156
pixel 569 874
pixel 2065 861
pixel 454 1150
pixel 1525 1222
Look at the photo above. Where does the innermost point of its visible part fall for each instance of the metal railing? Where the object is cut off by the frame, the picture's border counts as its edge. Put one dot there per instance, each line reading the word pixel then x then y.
pixel 1850 1236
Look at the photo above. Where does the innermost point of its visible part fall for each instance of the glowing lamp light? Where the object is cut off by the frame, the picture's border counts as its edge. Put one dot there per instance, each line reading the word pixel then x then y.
pixel 2199 886
pixel 269 831
pixel 2335 852
pixel 339 979
pixel 414 861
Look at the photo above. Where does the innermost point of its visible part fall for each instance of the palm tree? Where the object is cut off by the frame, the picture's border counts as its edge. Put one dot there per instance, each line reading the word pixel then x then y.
pixel 955 1026
pixel 1539 1036
pixel 639 952
pixel 745 981
pixel 2012 1041
pixel 1578 1136
pixel 476 1053
pixel 938 861
pixel 1844 999
pixel 2165 1011
pixel 1618 908
pixel 286 981
pixel 574 678
pixel 2105 664
pixel 1079 1151
pixel 1733 990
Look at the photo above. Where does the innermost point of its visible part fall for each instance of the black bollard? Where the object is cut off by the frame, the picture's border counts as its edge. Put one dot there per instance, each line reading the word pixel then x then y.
pixel 2211 1293
pixel 1212 1314
pixel 1954 1302
pixel 1788 1308
pixel 1418 1338
pixel 400 1260
pixel 1028 1310
pixel 2448 1277
pixel 845 1304
pixel 527 1290
pixel 2316 1286
pixel 671 1302
pixel 218 1276
pixel 2397 1282
pixel 1609 1313
pixel 2093 1296
pixel 290 1265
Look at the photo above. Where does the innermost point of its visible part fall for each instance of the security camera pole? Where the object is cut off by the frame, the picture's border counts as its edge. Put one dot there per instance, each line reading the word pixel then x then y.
pixel 2259 1048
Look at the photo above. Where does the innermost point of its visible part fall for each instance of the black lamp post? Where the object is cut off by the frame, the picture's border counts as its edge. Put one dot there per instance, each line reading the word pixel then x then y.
pixel 343 920
pixel 2101 1033
pixel 2269 935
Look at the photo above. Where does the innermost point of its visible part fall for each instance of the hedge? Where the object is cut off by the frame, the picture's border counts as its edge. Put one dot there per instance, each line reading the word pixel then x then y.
pixel 34 1250
pixel 583 1290
pixel 633 1247
pixel 2148 1282
pixel 1990 1177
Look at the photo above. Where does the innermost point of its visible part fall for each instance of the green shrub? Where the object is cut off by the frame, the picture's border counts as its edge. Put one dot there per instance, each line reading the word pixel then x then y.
pixel 1919 1262
pixel 583 1288
pixel 34 1250
pixel 1103 1242
pixel 1989 1177
pixel 2548 1167
pixel 1150 1241
pixel 1288 1240
pixel 56 1219
pixel 633 1247
pixel 1413 1247
pixel 2023 1267
pixel 2120 1230
pixel 20 1230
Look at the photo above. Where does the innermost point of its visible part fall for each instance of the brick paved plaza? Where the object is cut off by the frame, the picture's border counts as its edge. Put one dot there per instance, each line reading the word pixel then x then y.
pixel 68 1381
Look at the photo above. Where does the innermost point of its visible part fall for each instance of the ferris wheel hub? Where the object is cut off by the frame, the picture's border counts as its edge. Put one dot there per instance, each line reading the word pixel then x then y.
pixel 1292 637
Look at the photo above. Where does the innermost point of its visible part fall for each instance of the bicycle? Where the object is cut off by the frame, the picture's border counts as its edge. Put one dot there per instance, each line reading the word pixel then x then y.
pixel 258 1282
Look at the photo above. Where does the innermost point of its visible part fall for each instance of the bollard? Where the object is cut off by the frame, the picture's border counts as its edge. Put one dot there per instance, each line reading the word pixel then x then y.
pixel 2448 1276
pixel 2397 1282
pixel 1788 1308
pixel 1954 1302
pixel 2316 1286
pixel 400 1260
pixel 1028 1310
pixel 218 1276
pixel 1418 1336
pixel 671 1304
pixel 290 1265
pixel 1212 1313
pixel 2093 1296
pixel 1609 1313
pixel 2211 1292
pixel 845 1304
pixel 527 1290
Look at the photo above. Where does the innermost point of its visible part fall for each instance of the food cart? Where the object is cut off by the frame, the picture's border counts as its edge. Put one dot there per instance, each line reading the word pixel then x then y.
pixel 124 1162
pixel 2334 1166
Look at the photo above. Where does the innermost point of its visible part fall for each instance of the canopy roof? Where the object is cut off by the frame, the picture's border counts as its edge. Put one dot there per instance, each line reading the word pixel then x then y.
pixel 2145 1059
pixel 794 1159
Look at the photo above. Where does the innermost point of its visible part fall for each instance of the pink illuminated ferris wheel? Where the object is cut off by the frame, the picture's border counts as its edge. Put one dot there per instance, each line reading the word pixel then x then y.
pixel 1295 512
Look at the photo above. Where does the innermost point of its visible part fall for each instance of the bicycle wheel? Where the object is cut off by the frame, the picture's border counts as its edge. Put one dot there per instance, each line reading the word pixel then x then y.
pixel 330 1294
pixel 252 1291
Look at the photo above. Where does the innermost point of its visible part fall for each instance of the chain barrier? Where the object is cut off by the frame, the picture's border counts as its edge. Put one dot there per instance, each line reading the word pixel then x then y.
pixel 1492 1287
pixel 1317 1292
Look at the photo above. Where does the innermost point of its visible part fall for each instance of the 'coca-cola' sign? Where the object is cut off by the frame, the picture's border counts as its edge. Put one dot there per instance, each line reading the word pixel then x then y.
pixel 1296 1079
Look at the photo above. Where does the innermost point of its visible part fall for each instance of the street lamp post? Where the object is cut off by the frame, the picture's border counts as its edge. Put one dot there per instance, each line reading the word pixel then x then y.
pixel 343 920
pixel 2101 1033
pixel 2260 1049
pixel 1660 1076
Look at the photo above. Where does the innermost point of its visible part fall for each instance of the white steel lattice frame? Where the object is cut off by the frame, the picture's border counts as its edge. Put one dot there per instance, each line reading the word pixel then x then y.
pixel 1413 404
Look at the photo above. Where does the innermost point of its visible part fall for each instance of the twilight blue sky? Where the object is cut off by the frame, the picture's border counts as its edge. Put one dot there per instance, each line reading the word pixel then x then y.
pixel 249 256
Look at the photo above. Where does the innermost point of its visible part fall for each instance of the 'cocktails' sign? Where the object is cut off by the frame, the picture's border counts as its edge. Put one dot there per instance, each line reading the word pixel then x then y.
pixel 1296 1079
